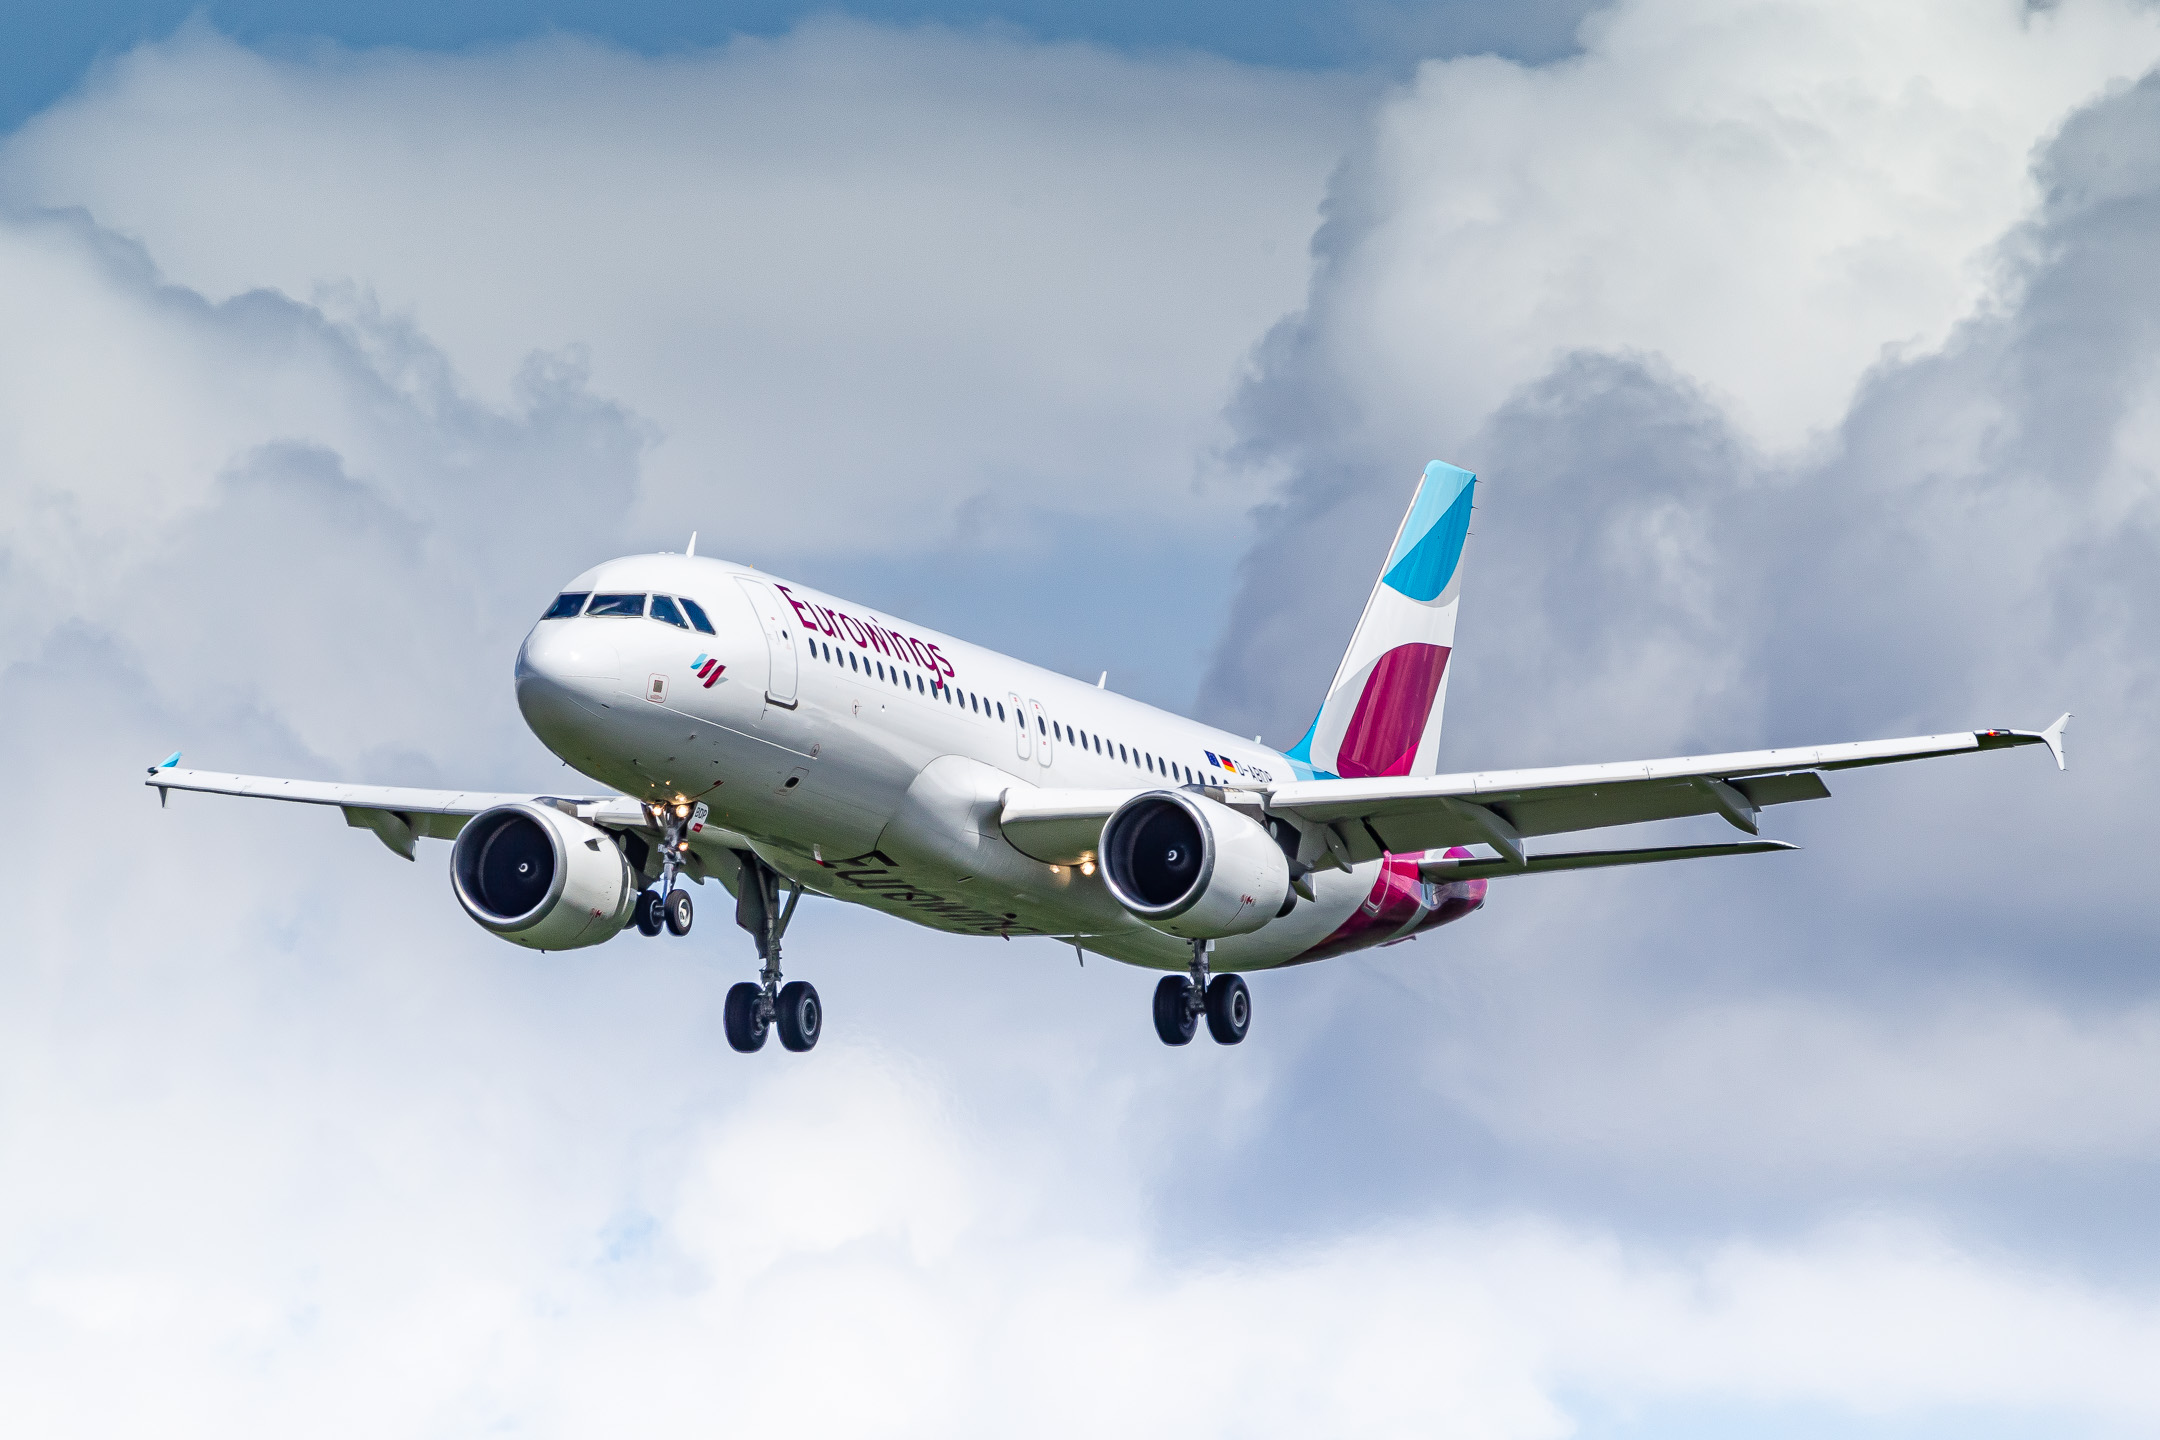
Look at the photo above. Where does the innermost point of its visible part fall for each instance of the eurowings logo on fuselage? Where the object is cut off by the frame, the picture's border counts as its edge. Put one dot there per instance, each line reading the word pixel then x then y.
pixel 708 669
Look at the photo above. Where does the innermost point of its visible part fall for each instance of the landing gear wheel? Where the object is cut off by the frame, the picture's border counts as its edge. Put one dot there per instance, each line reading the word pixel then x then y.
pixel 677 906
pixel 650 915
pixel 1229 1009
pixel 739 1017
pixel 801 1016
pixel 1175 1021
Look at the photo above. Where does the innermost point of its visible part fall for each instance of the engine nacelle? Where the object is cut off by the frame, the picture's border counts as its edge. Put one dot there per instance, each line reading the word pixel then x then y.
pixel 540 878
pixel 1191 866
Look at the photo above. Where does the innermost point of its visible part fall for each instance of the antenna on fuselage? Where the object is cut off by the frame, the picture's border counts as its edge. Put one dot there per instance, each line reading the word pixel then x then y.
pixel 1104 681
pixel 691 548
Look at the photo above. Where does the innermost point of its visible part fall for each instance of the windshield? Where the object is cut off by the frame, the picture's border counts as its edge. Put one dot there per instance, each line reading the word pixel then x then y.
pixel 629 605
pixel 566 604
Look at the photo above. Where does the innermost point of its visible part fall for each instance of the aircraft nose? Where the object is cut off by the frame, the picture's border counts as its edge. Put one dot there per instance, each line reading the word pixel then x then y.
pixel 567 650
pixel 565 670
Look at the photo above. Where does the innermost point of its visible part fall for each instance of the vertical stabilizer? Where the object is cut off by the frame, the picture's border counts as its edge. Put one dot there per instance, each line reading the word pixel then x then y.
pixel 1382 712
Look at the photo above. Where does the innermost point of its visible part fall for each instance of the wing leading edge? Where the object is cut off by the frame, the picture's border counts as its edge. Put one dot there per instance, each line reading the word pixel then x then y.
pixel 398 815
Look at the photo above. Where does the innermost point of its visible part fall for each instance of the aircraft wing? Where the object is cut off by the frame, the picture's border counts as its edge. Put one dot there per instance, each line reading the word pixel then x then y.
pixel 1350 821
pixel 398 815
pixel 1358 820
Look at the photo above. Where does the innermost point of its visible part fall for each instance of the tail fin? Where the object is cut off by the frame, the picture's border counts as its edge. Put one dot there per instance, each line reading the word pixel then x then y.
pixel 1382 713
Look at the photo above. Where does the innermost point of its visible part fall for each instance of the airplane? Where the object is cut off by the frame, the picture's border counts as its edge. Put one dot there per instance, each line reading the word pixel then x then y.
pixel 787 742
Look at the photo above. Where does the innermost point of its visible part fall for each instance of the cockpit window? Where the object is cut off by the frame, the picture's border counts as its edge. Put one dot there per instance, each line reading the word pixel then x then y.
pixel 617 605
pixel 566 605
pixel 664 609
pixel 697 615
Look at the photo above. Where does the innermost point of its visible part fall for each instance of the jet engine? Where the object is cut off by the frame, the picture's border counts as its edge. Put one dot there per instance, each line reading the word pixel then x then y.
pixel 543 879
pixel 1192 866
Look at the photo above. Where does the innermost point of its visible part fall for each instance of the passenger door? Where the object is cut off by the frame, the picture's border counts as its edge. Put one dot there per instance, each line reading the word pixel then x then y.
pixel 780 642
pixel 1020 726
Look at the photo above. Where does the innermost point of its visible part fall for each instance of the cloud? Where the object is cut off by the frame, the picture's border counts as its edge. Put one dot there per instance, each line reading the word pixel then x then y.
pixel 1944 1003
pixel 1856 1136
pixel 898 271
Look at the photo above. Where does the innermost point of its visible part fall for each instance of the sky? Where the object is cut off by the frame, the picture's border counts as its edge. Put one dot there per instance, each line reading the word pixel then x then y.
pixel 1807 354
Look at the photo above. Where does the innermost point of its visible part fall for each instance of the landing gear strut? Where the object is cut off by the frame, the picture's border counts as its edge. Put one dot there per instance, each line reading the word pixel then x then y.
pixel 667 906
pixel 1180 1001
pixel 755 1007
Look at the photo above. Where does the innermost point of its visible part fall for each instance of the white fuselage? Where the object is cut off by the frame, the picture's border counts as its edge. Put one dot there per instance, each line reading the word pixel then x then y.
pixel 867 759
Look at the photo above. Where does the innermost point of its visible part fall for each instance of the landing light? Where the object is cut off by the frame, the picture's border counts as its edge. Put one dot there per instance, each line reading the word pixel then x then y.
pixel 1087 867
pixel 682 812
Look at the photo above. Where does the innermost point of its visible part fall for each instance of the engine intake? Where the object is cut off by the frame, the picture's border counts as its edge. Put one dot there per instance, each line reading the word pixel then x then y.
pixel 1191 866
pixel 543 879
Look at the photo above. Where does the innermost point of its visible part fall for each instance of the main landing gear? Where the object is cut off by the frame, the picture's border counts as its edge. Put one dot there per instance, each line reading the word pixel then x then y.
pixel 755 1007
pixel 667 906
pixel 1180 1001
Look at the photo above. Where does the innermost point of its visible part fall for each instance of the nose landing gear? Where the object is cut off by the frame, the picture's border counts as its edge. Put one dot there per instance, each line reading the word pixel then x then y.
pixel 668 905
pixel 1180 1001
pixel 754 1008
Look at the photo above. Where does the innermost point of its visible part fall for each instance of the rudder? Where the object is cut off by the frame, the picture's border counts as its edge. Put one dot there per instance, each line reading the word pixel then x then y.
pixel 1382 712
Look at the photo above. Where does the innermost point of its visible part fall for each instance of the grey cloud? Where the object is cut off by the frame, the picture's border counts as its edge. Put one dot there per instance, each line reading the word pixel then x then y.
pixel 1976 545
pixel 276 1098
pixel 330 501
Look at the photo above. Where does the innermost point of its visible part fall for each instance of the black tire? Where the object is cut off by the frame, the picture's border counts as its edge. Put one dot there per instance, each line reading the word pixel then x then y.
pixel 802 1015
pixel 739 1017
pixel 677 906
pixel 1174 1019
pixel 650 916
pixel 1229 1009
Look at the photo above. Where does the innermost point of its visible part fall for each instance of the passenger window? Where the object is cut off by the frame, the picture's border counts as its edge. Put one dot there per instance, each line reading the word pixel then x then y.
pixel 621 606
pixel 1121 752
pixel 1001 710
pixel 664 609
pixel 851 661
pixel 697 615
pixel 566 605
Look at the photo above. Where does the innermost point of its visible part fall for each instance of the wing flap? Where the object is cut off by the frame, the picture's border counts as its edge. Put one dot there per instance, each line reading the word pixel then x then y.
pixel 1442 870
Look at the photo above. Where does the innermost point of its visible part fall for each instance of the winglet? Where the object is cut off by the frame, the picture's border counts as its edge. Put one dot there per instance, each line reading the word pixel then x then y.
pixel 2052 737
pixel 163 794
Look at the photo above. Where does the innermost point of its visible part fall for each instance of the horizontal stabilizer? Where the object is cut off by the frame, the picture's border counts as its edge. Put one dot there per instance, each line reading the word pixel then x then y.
pixel 1476 869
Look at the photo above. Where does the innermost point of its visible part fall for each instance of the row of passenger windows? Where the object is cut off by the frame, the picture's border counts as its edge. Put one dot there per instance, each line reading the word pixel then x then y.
pixel 984 706
pixel 680 611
